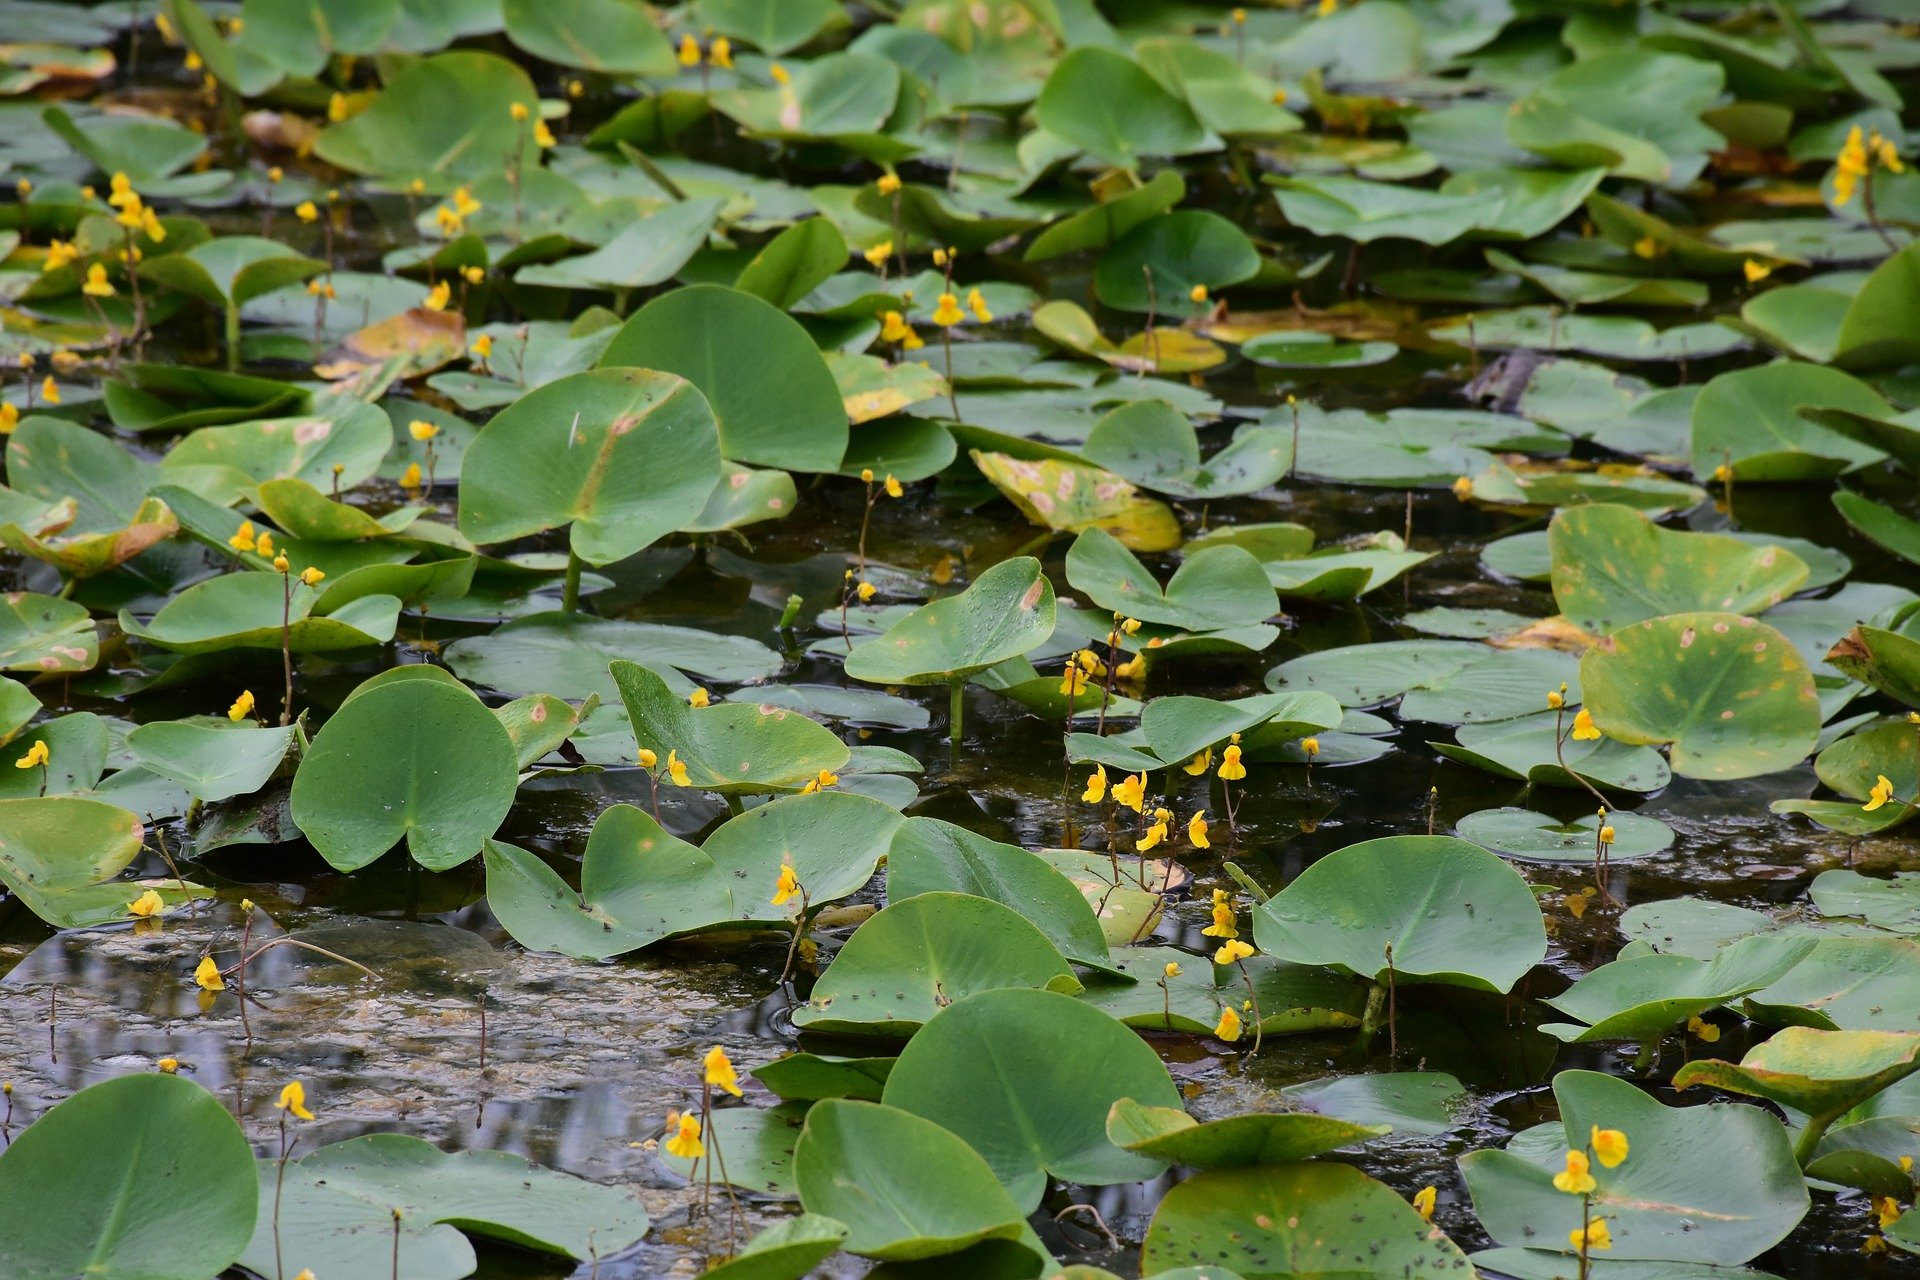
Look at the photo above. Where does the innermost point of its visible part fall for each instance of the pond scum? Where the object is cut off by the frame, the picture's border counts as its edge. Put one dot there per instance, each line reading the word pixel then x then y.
pixel 959 638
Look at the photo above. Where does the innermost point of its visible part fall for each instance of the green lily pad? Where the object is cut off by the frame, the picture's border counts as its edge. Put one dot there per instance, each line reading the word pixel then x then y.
pixel 921 954
pixel 1152 444
pixel 1293 1220
pixel 45 634
pixel 443 119
pixel 1156 266
pixel 59 856
pixel 1370 909
pixel 419 760
pixel 622 456
pixel 1216 588
pixel 1613 566
pixel 1644 997
pixel 213 758
pixel 1847 984
pixel 1885 904
pixel 905 1187
pixel 252 611
pixel 568 654
pixel 1749 419
pixel 638 884
pixel 1823 1074
pixel 1043 1071
pixel 1417 1102
pixel 786 1250
pixel 305 447
pixel 756 1146
pixel 931 856
pixel 1107 105
pixel 340 1203
pixel 171 1196
pixel 729 747
pixel 1536 837
pixel 783 410
pixel 1170 1134
pixel 809 1077
pixel 1700 1184
pixel 1006 612
pixel 832 839
pixel 1731 695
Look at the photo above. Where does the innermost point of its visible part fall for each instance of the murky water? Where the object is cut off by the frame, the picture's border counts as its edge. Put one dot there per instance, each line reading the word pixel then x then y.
pixel 578 1063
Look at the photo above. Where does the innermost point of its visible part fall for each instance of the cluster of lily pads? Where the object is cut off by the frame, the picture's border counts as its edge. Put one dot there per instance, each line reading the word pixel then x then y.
pixel 369 363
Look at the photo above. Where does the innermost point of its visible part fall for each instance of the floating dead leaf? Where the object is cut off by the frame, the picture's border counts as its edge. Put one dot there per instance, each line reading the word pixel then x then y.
pixel 1071 496
pixel 280 131
pixel 1371 321
pixel 421 340
pixel 871 388
pixel 1547 633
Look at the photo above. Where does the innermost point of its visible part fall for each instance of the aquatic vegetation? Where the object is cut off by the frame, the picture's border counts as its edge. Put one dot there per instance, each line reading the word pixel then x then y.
pixel 1409 504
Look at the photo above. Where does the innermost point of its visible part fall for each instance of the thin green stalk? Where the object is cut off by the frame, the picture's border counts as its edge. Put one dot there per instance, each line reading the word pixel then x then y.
pixel 570 591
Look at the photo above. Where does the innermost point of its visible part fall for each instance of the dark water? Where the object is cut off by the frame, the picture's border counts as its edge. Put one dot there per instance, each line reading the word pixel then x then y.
pixel 582 1061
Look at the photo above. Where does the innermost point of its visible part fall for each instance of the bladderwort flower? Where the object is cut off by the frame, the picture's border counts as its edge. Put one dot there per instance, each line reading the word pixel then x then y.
pixel 1609 1147
pixel 1577 1178
pixel 1231 769
pixel 1156 832
pixel 147 906
pixel 719 1071
pixel 206 975
pixel 1584 730
pixel 1096 785
pixel 1228 1028
pixel 1225 922
pixel 684 1140
pixel 1424 1200
pixel 1232 951
pixel 242 706
pixel 1197 830
pixel 1131 791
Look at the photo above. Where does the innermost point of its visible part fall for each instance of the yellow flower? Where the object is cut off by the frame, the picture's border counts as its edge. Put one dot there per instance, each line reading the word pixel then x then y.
pixel 151 227
pixel 685 1140
pixel 312 575
pixel 1605 834
pixel 242 706
pixel 337 108
pixel 410 478
pixel 36 756
pixel 293 1101
pixel 1096 785
pixel 866 591
pixel 1198 293
pixel 1576 1179
pixel 518 110
pixel 97 285
pixel 721 53
pixel 9 417
pixel 147 905
pixel 1609 1147
pixel 1328 8
pixel 1197 831
pixel 787 886
pixel 438 299
pixel 275 173
pixel 1423 1201
pixel 647 758
pixel 1700 1027
pixel 243 539
pixel 543 136
pixel 59 254
pixel 321 289
pixel 171 1066
pixel 1073 681
pixel 1594 1236
pixel 1311 746
pixel 887 183
pixel 878 255
pixel 1155 833
pixel 892 486
pixel 1239 17
pixel 780 74
pixel 1882 792
pixel 1557 698
pixel 1755 271
pixel 1584 729
pixel 307 211
pixel 894 328
pixel 1232 951
pixel 676 769
pixel 1646 247
pixel 1172 970
pixel 977 303
pixel 120 191
pixel 1231 769
pixel 1131 791
pixel 473 275
pixel 720 1072
pixel 1199 764
pixel 207 975
pixel 420 429
pixel 948 313
pixel 1887 1209
pixel 689 51
pixel 1130 625
pixel 50 390
pixel 450 223
pixel 698 698
pixel 1228 1028
pixel 1224 925
pixel 281 564
pixel 464 204
pixel 1279 97
pixel 482 347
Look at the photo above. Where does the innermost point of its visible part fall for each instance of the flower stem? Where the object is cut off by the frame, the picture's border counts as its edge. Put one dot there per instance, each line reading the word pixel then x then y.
pixel 570 589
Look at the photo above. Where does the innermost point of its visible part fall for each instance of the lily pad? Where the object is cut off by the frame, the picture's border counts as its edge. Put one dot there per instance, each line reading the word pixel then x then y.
pixel 1732 695
pixel 1170 1134
pixel 1421 908
pixel 1043 1071
pixel 729 747
pixel 1613 566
